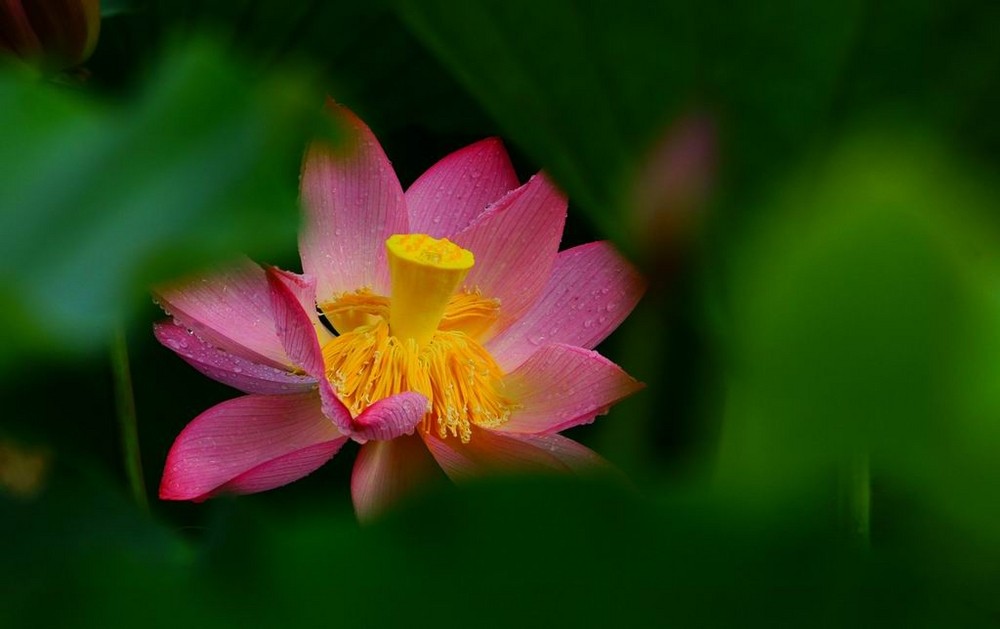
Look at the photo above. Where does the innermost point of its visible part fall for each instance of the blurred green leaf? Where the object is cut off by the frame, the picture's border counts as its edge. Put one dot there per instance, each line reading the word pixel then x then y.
pixel 499 554
pixel 363 56
pixel 865 321
pixel 586 88
pixel 83 544
pixel 98 201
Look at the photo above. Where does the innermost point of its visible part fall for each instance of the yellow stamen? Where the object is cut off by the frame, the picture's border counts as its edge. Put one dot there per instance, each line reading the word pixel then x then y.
pixel 425 272
pixel 462 382
pixel 471 313
pixel 352 310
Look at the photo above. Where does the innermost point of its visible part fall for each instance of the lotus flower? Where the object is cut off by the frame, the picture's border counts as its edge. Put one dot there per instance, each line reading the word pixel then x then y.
pixel 461 334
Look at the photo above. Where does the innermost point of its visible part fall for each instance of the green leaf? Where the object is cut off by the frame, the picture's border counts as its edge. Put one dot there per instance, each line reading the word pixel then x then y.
pixel 865 322
pixel 363 57
pixel 97 200
pixel 587 88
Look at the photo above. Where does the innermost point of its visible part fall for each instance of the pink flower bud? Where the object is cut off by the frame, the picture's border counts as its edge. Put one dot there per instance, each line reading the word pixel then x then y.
pixel 53 34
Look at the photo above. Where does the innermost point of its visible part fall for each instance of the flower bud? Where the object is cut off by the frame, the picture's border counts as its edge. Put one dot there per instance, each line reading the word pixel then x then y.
pixel 672 188
pixel 53 34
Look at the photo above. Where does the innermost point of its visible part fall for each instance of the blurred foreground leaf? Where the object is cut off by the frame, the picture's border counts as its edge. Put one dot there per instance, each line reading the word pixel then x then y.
pixel 98 201
pixel 527 552
pixel 81 543
pixel 866 322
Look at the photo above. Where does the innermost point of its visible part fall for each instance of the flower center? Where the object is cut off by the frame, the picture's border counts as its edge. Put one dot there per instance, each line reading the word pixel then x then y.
pixel 422 339
pixel 425 272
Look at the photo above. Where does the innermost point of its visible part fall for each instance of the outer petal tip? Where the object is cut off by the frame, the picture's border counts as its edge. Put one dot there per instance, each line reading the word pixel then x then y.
pixel 459 187
pixel 170 489
pixel 561 386
pixel 353 202
pixel 515 242
pixel 249 444
pixel 229 309
pixel 591 290
pixel 228 368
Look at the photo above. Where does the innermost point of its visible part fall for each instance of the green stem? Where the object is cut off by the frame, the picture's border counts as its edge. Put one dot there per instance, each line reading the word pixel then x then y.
pixel 857 499
pixel 127 423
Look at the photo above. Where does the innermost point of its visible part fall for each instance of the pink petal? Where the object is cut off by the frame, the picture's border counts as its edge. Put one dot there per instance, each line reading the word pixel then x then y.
pixel 227 368
pixel 457 189
pixel 577 457
pixel 515 242
pixel 388 471
pixel 353 203
pixel 251 443
pixel 590 292
pixel 282 470
pixel 491 453
pixel 295 318
pixel 304 289
pixel 561 386
pixel 390 417
pixel 230 310
pixel 298 336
